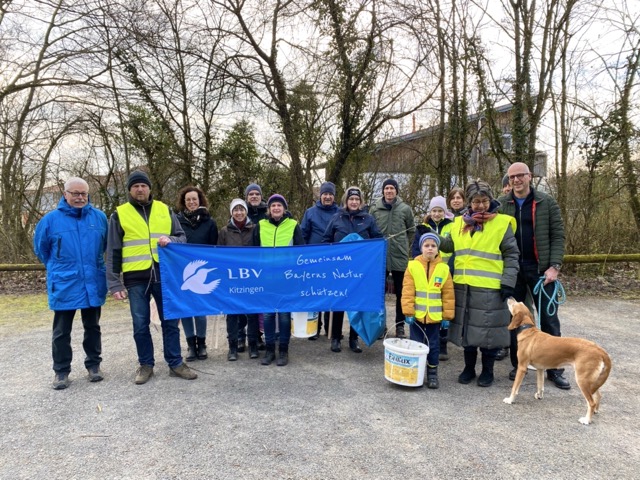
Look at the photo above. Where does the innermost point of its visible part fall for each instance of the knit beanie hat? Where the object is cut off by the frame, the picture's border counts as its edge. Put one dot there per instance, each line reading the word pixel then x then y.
pixel 430 236
pixel 328 187
pixel 392 182
pixel 138 176
pixel 353 191
pixel 440 202
pixel 235 202
pixel 251 187
pixel 505 180
pixel 276 197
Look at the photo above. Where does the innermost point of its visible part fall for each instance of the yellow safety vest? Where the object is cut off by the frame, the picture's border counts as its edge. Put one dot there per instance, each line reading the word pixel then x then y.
pixel 428 298
pixel 478 261
pixel 140 242
pixel 277 235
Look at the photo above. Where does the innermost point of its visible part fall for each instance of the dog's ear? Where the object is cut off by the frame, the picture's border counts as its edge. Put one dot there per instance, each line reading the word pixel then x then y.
pixel 516 320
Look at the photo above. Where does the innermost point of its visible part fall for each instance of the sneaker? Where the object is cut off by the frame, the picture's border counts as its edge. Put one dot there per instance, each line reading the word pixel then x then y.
pixel 143 374
pixel 95 374
pixel 60 381
pixel 183 371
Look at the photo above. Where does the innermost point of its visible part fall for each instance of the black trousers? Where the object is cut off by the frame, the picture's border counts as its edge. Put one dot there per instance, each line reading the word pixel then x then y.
pixel 398 278
pixel 528 277
pixel 336 327
pixel 61 338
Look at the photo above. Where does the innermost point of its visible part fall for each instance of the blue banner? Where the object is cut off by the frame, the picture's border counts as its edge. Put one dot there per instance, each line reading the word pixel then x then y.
pixel 208 280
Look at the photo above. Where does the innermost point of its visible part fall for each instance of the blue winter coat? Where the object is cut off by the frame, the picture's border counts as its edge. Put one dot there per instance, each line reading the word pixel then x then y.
pixel 315 221
pixel 71 243
pixel 345 222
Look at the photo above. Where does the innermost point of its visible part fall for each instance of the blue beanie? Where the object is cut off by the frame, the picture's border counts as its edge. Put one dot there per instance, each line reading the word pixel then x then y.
pixel 328 187
pixel 276 197
pixel 251 188
pixel 430 236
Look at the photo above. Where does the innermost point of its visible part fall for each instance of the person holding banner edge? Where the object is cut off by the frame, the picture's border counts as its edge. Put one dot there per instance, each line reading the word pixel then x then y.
pixel 136 229
pixel 278 230
pixel 349 219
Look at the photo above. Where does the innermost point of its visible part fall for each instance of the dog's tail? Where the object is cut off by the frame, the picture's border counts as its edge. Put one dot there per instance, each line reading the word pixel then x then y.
pixel 605 369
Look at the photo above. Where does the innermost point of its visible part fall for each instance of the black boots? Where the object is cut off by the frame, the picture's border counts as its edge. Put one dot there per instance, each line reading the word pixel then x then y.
pixel 432 377
pixel 253 349
pixel 355 346
pixel 469 372
pixel 202 348
pixel 283 355
pixel 444 355
pixel 232 356
pixel 486 376
pixel 191 349
pixel 269 354
pixel 400 330
pixel 335 345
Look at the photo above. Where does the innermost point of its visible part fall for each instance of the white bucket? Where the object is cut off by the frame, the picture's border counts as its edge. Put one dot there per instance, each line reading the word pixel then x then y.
pixel 304 324
pixel 405 361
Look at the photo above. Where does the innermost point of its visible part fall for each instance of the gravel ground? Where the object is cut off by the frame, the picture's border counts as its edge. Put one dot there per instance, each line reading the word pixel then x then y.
pixel 324 416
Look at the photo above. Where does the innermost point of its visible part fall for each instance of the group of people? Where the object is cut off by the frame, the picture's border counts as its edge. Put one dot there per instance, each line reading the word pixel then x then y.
pixel 451 274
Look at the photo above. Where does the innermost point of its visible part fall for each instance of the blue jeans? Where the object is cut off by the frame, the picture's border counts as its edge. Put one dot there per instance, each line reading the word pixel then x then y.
pixel 61 339
pixel 139 298
pixel 200 329
pixel 423 332
pixel 284 327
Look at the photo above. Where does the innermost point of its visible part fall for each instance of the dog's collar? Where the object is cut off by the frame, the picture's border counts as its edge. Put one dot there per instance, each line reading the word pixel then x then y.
pixel 523 327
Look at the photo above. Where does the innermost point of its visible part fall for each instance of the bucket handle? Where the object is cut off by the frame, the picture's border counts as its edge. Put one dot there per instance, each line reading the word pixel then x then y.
pixel 417 324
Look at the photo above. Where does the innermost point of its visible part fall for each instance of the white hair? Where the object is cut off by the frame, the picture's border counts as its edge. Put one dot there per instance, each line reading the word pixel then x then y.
pixel 72 180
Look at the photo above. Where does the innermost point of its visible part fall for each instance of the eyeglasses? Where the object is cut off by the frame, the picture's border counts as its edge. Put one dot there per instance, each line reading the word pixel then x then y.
pixel 78 194
pixel 486 201
pixel 519 176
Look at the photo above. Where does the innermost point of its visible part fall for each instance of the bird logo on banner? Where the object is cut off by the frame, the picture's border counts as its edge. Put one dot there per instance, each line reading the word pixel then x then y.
pixel 194 278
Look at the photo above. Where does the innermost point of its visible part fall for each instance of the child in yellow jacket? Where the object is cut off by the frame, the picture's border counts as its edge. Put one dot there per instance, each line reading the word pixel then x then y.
pixel 427 300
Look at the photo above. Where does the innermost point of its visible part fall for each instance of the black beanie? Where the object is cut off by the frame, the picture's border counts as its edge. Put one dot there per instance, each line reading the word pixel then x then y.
pixel 138 177
pixel 392 182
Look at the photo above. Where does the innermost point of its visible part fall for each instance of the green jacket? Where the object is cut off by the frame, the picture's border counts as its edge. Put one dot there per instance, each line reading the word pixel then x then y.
pixel 398 227
pixel 548 226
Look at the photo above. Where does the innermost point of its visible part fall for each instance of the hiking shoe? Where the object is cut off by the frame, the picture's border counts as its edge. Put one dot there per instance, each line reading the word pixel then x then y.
pixel 60 381
pixel 95 374
pixel 143 374
pixel 183 371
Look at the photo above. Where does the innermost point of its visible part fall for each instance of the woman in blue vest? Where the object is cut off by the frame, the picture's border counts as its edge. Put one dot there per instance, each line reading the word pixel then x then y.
pixel 200 228
pixel 277 230
pixel 484 276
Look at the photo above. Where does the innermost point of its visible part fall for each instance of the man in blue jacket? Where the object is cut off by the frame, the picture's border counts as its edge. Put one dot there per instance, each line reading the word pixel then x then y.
pixel 314 223
pixel 71 242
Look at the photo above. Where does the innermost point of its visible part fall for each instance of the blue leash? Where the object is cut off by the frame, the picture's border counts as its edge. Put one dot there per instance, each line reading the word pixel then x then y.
pixel 556 298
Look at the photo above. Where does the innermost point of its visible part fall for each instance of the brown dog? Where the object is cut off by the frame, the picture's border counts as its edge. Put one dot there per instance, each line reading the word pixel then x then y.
pixel 590 362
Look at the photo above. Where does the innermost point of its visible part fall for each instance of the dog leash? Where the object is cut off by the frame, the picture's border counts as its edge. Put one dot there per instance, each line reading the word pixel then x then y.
pixel 557 298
